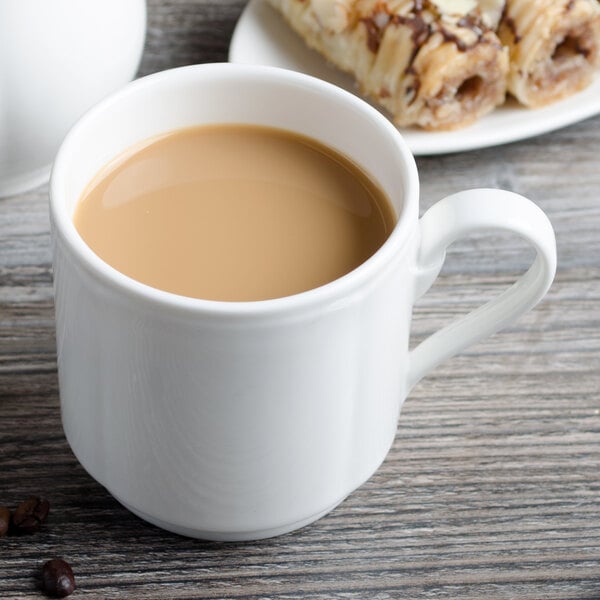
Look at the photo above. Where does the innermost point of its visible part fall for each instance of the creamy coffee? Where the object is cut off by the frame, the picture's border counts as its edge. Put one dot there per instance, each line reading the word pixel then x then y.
pixel 233 213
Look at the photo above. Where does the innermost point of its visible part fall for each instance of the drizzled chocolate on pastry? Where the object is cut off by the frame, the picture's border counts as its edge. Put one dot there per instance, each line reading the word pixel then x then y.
pixel 437 64
pixel 442 64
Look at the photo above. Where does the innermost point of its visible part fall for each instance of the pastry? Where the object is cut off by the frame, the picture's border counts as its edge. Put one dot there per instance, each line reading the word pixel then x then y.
pixel 553 45
pixel 437 64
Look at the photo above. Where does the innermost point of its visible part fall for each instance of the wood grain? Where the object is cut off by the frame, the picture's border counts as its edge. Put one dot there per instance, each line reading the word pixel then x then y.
pixel 492 488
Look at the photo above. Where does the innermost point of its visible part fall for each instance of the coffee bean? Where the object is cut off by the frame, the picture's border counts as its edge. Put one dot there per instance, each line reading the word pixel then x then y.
pixel 4 520
pixel 30 514
pixel 58 580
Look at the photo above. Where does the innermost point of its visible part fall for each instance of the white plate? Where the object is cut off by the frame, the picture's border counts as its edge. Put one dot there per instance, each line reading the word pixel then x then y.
pixel 261 37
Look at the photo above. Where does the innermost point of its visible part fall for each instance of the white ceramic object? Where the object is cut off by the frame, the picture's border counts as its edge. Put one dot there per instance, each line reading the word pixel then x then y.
pixel 244 420
pixel 58 59
pixel 262 38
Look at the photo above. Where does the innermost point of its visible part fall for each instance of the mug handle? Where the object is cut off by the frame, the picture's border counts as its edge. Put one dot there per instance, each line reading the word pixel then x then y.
pixel 463 214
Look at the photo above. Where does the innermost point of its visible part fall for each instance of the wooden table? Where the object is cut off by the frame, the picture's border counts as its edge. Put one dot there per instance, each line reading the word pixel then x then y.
pixel 492 488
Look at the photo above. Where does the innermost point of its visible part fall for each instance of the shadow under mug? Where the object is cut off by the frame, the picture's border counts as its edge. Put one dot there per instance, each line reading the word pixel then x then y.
pixel 245 420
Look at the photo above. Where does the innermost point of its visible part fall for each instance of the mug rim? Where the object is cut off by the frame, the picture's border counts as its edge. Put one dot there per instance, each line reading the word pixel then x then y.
pixel 335 290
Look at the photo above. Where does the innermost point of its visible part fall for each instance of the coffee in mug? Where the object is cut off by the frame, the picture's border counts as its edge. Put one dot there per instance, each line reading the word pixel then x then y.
pixel 234 213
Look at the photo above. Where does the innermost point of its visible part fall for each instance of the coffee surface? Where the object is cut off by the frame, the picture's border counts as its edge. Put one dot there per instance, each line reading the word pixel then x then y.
pixel 233 213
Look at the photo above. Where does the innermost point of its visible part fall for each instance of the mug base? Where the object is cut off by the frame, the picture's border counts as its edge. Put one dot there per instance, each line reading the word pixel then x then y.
pixel 228 536
pixel 24 182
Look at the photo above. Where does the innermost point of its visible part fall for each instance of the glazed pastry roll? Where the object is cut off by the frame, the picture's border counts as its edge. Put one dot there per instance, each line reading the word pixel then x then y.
pixel 554 47
pixel 437 64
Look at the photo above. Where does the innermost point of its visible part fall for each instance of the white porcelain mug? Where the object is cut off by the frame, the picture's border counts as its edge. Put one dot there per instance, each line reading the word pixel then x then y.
pixel 244 420
pixel 57 59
